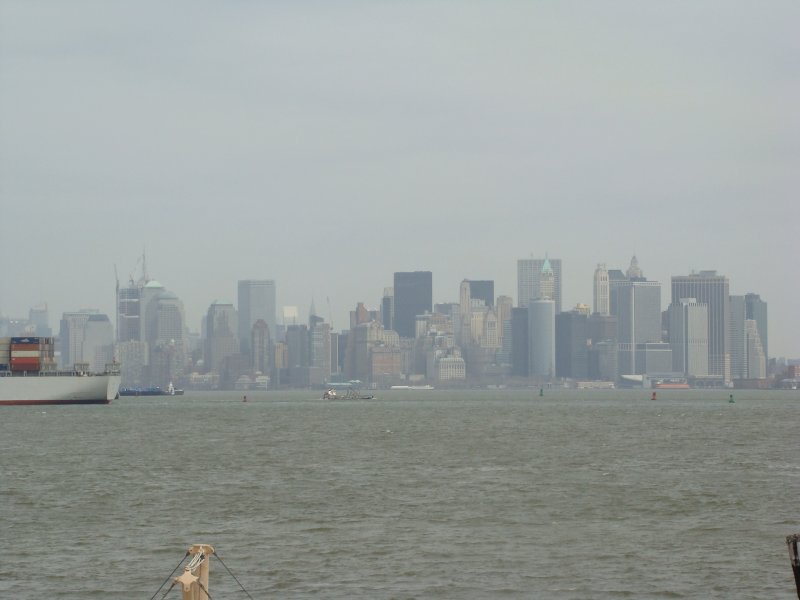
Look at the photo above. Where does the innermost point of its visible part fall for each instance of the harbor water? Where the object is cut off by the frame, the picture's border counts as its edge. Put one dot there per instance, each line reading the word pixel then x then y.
pixel 416 494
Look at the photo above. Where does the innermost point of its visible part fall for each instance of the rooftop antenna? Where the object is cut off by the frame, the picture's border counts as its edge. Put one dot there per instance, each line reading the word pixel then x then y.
pixel 330 314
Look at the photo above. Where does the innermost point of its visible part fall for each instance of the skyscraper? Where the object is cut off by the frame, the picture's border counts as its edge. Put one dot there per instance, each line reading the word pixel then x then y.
pixel 602 305
pixel 738 338
pixel 482 290
pixel 260 345
pixel 529 271
pixel 571 345
pixel 256 300
pixel 221 341
pixel 542 338
pixel 713 290
pixel 413 295
pixel 756 310
pixel 387 308
pixel 688 337
pixel 638 321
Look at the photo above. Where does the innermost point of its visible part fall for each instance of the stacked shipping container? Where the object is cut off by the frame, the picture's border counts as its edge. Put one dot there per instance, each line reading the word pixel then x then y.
pixel 28 354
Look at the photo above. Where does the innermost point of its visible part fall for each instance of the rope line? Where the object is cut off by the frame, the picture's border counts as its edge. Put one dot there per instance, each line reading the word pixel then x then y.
pixel 169 589
pixel 232 575
pixel 168 577
pixel 205 591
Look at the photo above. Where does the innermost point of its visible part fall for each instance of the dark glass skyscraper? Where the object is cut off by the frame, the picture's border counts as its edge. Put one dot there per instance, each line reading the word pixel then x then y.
pixel 413 295
pixel 482 290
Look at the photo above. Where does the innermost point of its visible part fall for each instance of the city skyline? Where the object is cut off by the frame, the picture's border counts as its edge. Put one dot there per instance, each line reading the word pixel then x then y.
pixel 194 325
pixel 327 147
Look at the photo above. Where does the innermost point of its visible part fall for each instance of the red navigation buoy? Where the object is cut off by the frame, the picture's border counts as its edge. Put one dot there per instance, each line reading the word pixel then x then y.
pixel 654 396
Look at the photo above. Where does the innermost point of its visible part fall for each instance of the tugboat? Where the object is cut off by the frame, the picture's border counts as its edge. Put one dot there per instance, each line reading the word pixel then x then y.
pixel 330 394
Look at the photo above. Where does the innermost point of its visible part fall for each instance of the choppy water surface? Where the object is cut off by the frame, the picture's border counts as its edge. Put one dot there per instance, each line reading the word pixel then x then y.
pixel 592 494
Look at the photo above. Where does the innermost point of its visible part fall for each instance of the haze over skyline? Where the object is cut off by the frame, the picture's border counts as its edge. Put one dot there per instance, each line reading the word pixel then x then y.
pixel 326 146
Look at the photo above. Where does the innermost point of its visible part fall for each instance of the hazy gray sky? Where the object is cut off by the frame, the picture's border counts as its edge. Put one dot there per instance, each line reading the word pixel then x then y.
pixel 328 144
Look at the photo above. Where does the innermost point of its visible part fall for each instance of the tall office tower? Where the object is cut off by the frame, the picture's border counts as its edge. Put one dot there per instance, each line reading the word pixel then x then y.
pixel 602 334
pixel 504 306
pixel 634 273
pixel 615 278
pixel 319 333
pixel 520 362
pixel 529 271
pixel 547 283
pixel 571 345
pixel 128 313
pixel 542 338
pixel 256 300
pixel 482 290
pixel 601 328
pixel 757 311
pixel 221 340
pixel 170 320
pixel 413 295
pixel 465 297
pixel 638 321
pixel 688 337
pixel 738 338
pixel 387 308
pixel 756 357
pixel 38 319
pixel 602 300
pixel 70 336
pixel 713 290
pixel 260 345
pixel 97 345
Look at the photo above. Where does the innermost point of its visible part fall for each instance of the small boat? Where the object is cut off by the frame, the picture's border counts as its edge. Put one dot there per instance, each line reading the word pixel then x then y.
pixel 330 394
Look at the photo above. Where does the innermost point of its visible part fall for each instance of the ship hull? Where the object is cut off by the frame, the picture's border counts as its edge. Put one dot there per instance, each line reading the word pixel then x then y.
pixel 59 389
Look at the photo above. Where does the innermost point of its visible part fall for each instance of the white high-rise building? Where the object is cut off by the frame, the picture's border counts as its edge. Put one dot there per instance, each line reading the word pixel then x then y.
pixel 602 298
pixel 756 357
pixel 688 337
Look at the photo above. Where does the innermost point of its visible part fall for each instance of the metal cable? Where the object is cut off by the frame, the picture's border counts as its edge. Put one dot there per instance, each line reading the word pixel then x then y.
pixel 168 577
pixel 232 575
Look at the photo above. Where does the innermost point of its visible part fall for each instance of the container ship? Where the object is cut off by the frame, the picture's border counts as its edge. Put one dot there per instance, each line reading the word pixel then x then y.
pixel 28 375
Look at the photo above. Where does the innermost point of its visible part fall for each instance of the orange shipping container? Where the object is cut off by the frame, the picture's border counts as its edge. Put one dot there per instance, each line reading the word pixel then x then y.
pixel 24 347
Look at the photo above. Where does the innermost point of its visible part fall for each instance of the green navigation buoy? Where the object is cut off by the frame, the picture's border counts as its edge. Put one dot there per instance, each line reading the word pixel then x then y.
pixel 541 392
pixel 730 400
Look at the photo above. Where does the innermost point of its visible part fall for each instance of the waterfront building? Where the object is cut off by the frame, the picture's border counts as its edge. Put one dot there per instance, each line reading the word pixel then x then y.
pixel 688 337
pixel 221 341
pixel 542 338
pixel 756 357
pixel 413 295
pixel 571 330
pixel 260 344
pixel 256 299
pixel 638 322
pixel 757 311
pixel 529 273
pixel 738 337
pixel 520 361
pixel 711 289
